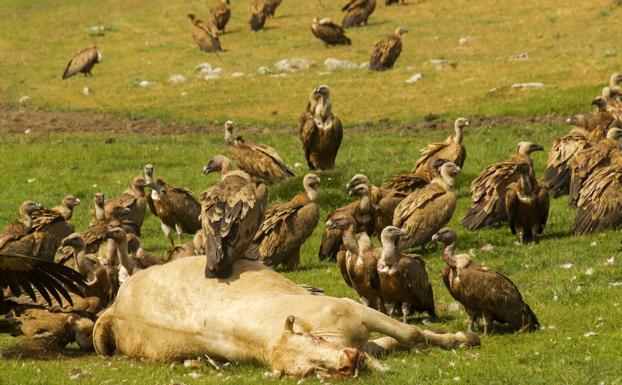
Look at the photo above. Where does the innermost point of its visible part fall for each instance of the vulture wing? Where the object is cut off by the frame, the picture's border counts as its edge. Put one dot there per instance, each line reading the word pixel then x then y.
pixel 220 15
pixel 206 39
pixel 584 163
pixel 385 53
pixel 277 228
pixel 543 203
pixel 449 150
pixel 405 183
pixel 21 273
pixel 557 174
pixel 330 33
pixel 81 62
pixel 600 202
pixel 416 278
pixel 182 207
pixel 12 232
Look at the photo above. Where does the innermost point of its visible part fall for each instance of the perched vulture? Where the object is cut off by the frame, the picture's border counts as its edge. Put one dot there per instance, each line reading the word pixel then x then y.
pixel 320 130
pixel 403 278
pixel 527 206
pixel 231 213
pixel 600 200
pixel 452 149
pixel 357 12
pixel 260 10
pixel 177 208
pixel 20 228
pixel 564 149
pixel 129 264
pixel 286 227
pixel 386 51
pixel 256 159
pixel 615 92
pixel 206 36
pixel 591 159
pixel 99 208
pixel 134 200
pixel 24 274
pixel 51 226
pixel 423 212
pixel 606 116
pixel 489 188
pixel 83 62
pixel 329 32
pixel 483 292
pixel 220 15
pixel 357 264
pixel 363 213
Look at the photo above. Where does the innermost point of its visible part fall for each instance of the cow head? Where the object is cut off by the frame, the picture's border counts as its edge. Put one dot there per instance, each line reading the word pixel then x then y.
pixel 299 354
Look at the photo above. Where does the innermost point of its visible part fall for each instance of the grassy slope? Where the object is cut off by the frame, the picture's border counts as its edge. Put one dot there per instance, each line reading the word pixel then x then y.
pixel 569 303
pixel 569 42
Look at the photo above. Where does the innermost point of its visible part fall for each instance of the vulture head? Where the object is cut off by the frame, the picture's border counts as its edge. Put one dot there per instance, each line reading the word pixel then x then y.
pixel 359 191
pixel 461 123
pixel 191 16
pixel 322 90
pixel 578 120
pixel 446 236
pixel 391 235
pixel 75 240
pixel 526 148
pixel 149 173
pixel 357 180
pixel 449 238
pixel 614 133
pixel 399 31
pixel 99 199
pixel 218 163
pixel 229 126
pixel 615 79
pixel 27 208
pixel 71 201
pixel 437 163
pixel 341 223
pixel 120 213
pixel 117 234
pixel 600 102
pixel 310 183
pixel 449 171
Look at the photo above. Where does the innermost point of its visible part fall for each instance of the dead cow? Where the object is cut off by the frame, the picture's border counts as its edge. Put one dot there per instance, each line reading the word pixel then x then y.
pixel 172 312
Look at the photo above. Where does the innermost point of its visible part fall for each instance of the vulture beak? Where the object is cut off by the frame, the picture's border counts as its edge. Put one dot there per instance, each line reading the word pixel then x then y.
pixel 435 237
pixel 537 147
pixel 39 206
pixel 208 168
pixel 569 120
pixel 330 224
pixel 78 201
pixel 107 236
pixel 352 193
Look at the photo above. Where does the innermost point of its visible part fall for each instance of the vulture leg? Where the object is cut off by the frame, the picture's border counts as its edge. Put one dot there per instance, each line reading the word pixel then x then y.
pixel 179 231
pixel 364 301
pixel 390 308
pixel 487 321
pixel 292 261
pixel 535 236
pixel 167 233
pixel 472 320
pixel 405 311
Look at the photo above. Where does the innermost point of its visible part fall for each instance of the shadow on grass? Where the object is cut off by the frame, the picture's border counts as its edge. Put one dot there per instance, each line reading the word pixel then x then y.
pixel 34 352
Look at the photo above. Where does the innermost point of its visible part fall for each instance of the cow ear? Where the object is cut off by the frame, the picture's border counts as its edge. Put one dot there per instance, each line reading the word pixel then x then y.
pixel 289 324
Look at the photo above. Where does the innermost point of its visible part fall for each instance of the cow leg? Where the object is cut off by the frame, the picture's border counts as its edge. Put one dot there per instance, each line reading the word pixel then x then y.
pixel 409 335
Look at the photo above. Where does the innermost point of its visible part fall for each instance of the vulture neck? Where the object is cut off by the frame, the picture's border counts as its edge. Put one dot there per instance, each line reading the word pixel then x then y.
pixel 64 211
pixel 459 135
pixel 138 191
pixel 524 151
pixel 225 168
pixel 124 256
pixel 78 254
pixel 448 254
pixel 389 250
pixel 100 213
pixel 26 219
pixel 229 138
pixel 349 240
pixel 365 204
pixel 526 187
pixel 311 193
pixel 445 179
pixel 322 114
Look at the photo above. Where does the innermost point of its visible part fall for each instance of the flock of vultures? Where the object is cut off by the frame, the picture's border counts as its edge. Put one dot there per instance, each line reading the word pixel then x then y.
pixel 56 280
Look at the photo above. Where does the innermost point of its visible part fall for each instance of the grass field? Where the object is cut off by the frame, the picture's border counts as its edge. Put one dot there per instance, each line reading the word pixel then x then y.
pixel 572 51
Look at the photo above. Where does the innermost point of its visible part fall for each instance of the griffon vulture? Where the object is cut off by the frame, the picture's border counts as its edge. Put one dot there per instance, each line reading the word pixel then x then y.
pixel 256 159
pixel 483 292
pixel 591 159
pixel 527 206
pixel 329 32
pixel 489 188
pixel 320 130
pixel 20 228
pixel 357 12
pixel 177 208
pixel 286 227
pixel 83 62
pixel 386 51
pixel 50 227
pixel 403 278
pixel 260 10
pixel 206 36
pixel 452 149
pixel 231 213
pixel 423 212
pixel 134 200
pixel 220 15
pixel 391 2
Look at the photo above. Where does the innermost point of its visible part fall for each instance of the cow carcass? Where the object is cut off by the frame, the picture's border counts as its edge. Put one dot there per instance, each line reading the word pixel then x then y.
pixel 172 312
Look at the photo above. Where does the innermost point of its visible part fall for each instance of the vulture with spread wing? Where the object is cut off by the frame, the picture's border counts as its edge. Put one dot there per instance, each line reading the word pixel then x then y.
pixel 386 52
pixel 488 190
pixel 231 213
pixel 452 149
pixel 286 227
pixel 483 292
pixel 256 159
pixel 206 36
pixel 83 62
pixel 329 32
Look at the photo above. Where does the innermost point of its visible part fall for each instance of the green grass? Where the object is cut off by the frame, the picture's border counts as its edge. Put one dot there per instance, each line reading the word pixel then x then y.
pixel 570 45
pixel 569 303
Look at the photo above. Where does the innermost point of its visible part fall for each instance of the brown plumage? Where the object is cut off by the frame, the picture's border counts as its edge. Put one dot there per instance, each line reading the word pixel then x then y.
pixel 402 277
pixel 51 226
pixel 134 200
pixel 329 32
pixel 600 200
pixel 363 213
pixel 206 36
pixel 489 188
pixel 423 212
pixel 391 2
pixel 606 116
pixel 188 249
pixel 564 149
pixel 260 10
pixel 272 5
pixel 320 131
pixel 357 12
pixel 220 15
pixel 591 159
pixel 177 208
pixel 256 159
pixel 231 213
pixel 452 149
pixel 527 206
pixel 286 227
pixel 20 228
pixel 129 264
pixel 385 52
pixel 24 274
pixel 483 292
pixel 83 62
pixel 358 262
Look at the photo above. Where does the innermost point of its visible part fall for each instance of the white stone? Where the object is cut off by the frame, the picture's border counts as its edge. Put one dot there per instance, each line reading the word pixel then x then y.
pixel 211 77
pixel 528 85
pixel 294 64
pixel 24 99
pixel 465 39
pixel 237 74
pixel 442 63
pixel 589 271
pixel 610 261
pixel 523 56
pixel 332 63
pixel 203 67
pixel 144 83
pixel 86 91
pixel 176 79
pixel 415 78
pixel 364 65
pixel 567 265
pixel 263 70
